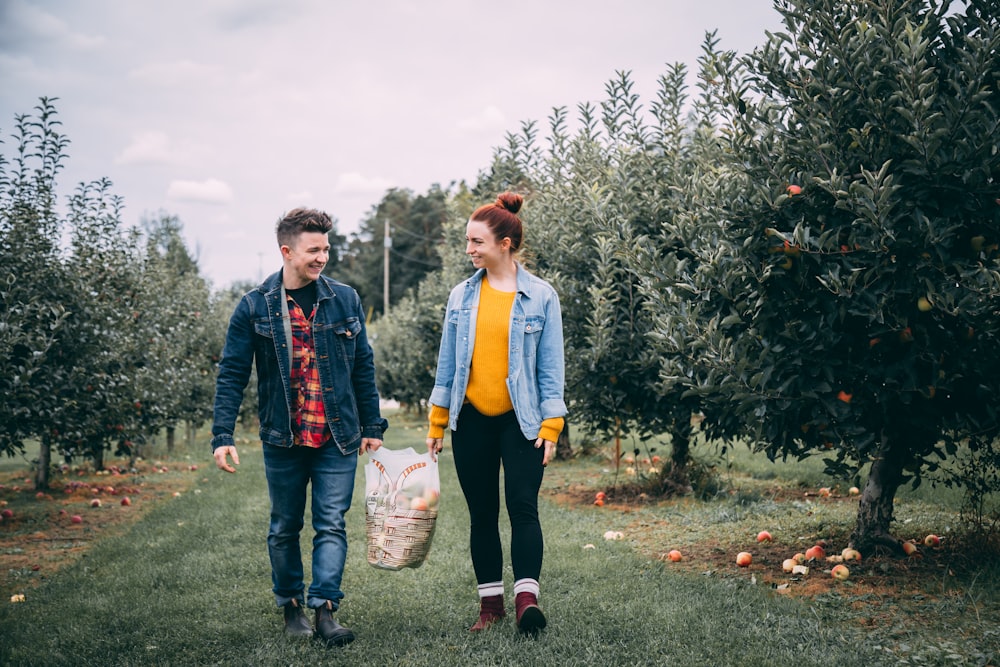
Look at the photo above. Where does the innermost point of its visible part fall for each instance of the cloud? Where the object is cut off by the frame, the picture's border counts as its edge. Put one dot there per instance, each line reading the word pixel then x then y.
pixel 21 23
pixel 353 183
pixel 174 73
pixel 148 148
pixel 302 196
pixel 489 119
pixel 211 191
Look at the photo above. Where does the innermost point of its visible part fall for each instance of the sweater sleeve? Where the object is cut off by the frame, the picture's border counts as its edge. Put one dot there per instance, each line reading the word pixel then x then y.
pixel 438 420
pixel 551 428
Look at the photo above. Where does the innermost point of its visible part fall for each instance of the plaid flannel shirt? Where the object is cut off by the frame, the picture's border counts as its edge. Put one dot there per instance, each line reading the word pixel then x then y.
pixel 309 423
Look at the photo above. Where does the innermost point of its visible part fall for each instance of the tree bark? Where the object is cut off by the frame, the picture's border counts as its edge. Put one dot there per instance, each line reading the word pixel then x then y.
pixel 675 480
pixel 44 461
pixel 871 531
pixel 171 437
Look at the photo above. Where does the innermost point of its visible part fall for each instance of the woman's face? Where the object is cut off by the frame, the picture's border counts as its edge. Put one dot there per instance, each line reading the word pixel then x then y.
pixel 483 248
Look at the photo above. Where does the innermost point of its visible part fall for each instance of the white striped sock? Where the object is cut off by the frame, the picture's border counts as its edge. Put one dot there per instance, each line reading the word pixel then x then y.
pixel 526 586
pixel 490 589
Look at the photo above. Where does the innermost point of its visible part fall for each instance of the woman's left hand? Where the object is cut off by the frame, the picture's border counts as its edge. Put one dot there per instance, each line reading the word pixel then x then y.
pixel 550 449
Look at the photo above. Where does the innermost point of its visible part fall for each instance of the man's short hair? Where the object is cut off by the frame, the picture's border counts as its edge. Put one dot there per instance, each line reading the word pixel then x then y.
pixel 300 220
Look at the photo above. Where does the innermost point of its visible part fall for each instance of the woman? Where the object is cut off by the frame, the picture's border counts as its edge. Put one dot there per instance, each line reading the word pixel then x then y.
pixel 499 388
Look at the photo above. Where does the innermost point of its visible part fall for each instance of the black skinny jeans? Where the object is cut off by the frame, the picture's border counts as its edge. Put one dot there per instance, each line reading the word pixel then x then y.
pixel 480 444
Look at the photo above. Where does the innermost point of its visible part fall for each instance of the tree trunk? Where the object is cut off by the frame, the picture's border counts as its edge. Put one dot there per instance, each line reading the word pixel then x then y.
pixel 97 451
pixel 675 480
pixel 171 437
pixel 44 461
pixel 191 428
pixel 871 531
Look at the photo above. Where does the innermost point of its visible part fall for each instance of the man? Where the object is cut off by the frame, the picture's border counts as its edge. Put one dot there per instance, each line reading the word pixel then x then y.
pixel 318 409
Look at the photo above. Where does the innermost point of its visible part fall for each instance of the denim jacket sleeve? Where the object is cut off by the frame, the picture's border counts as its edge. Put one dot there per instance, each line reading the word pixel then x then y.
pixel 234 374
pixel 551 370
pixel 373 425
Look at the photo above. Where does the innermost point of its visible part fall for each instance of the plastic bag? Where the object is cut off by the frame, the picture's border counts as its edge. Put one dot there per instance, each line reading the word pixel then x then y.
pixel 402 490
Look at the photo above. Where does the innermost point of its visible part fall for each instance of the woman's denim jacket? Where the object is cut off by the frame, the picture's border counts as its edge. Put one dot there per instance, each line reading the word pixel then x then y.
pixel 535 367
pixel 257 332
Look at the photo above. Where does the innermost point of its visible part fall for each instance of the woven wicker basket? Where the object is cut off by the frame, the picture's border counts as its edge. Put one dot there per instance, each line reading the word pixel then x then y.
pixel 397 538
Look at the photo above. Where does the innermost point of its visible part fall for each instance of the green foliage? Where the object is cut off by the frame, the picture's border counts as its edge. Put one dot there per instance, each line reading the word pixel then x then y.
pixel 99 342
pixel 406 340
pixel 415 231
pixel 861 315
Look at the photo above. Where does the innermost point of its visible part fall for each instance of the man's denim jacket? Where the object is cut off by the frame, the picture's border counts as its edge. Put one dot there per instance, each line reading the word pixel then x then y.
pixel 535 364
pixel 258 332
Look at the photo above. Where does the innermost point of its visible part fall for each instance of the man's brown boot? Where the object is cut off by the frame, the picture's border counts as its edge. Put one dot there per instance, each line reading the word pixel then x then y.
pixel 296 623
pixel 327 628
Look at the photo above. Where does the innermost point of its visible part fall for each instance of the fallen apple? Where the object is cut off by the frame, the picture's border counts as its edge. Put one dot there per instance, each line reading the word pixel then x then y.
pixel 840 572
pixel 825 491
pixel 599 502
pixel 799 558
pixel 96 502
pixel 76 518
pixel 7 513
pixel 850 554
pixel 126 501
pixel 743 559
pixel 932 541
pixel 853 491
pixel 815 552
pixel 600 495
pixel 788 564
pixel 909 548
pixel 675 556
pixel 763 536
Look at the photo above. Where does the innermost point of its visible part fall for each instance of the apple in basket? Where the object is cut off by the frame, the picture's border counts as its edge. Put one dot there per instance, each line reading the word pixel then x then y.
pixel 418 504
pixel 432 496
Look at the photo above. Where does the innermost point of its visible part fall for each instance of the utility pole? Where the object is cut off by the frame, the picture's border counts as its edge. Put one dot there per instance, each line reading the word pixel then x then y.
pixel 386 244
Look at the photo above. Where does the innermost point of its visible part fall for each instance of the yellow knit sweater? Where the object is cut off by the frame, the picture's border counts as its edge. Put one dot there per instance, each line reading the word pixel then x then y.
pixel 487 390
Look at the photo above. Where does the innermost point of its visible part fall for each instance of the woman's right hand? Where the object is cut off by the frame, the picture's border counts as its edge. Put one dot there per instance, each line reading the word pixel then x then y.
pixel 434 447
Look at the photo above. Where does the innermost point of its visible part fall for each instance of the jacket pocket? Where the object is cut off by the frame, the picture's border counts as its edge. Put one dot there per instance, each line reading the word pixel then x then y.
pixel 533 327
pixel 264 342
pixel 345 335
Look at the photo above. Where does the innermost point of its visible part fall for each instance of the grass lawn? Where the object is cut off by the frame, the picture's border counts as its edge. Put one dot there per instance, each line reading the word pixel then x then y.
pixel 184 580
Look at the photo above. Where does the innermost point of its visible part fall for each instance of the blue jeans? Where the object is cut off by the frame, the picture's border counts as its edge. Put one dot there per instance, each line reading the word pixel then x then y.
pixel 289 471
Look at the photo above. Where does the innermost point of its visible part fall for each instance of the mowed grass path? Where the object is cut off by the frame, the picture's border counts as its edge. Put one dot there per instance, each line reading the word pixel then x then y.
pixel 190 585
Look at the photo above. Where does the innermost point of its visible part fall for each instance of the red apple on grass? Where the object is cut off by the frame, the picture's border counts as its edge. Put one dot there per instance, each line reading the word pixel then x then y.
pixel 932 541
pixel 126 501
pixel 815 553
pixel 7 513
pixel 76 518
pixel 840 572
pixel 743 559
pixel 763 536
pixel 675 556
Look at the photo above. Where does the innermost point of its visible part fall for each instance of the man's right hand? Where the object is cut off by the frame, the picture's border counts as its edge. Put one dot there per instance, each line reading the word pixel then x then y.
pixel 221 455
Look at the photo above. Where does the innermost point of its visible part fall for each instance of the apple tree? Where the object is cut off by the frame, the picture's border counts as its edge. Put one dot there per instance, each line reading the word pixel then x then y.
pixel 32 316
pixel 862 317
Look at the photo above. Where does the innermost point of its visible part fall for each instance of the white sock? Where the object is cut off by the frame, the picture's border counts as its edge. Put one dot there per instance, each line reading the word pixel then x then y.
pixel 526 586
pixel 490 589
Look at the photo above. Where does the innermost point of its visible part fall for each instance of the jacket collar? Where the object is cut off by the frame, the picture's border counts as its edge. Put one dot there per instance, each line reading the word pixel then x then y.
pixel 524 279
pixel 272 283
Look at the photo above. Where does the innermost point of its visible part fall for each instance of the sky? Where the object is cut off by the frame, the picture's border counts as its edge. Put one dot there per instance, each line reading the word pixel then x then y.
pixel 229 113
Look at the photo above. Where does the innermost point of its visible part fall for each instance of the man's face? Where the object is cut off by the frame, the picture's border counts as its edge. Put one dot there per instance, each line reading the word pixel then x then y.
pixel 305 259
